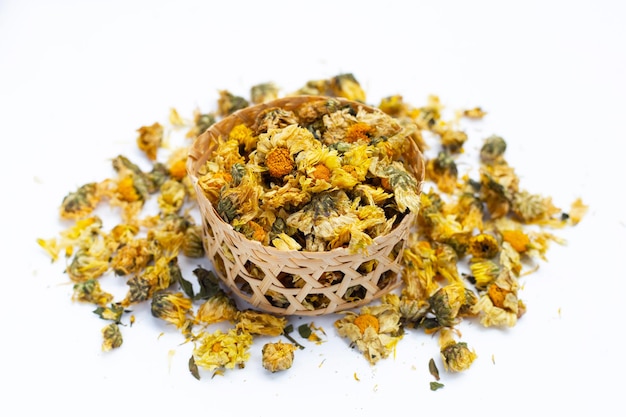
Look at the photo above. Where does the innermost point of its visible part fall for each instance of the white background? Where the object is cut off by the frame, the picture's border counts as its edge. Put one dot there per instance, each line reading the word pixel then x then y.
pixel 77 78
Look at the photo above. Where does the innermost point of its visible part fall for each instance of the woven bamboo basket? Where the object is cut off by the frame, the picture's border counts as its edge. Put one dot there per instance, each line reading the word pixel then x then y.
pixel 256 273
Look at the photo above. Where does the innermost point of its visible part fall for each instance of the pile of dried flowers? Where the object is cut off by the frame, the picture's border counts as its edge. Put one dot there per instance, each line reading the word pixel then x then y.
pixel 463 261
pixel 315 178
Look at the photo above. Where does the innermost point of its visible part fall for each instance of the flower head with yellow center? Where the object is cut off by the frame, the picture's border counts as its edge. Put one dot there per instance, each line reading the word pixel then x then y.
pixel 374 331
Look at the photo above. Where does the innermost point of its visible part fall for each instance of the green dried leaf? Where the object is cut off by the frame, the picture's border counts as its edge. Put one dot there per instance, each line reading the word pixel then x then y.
pixel 305 330
pixel 432 367
pixel 434 386
pixel 193 368
pixel 186 286
pixel 288 329
pixel 209 284
pixel 114 312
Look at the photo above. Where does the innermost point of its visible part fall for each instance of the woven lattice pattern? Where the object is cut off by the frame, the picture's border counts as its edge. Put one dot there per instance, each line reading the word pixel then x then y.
pixel 263 275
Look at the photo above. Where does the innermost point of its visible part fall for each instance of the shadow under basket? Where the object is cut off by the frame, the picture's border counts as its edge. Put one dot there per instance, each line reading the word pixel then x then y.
pixel 298 282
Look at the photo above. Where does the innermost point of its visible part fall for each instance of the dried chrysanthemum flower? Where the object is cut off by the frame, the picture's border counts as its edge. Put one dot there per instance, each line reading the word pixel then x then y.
pixel 484 272
pixel 453 140
pixel 394 106
pixel 517 239
pixel 456 356
pixel 450 303
pixel 177 164
pixel 278 356
pixel 228 103
pixel 264 92
pixel 279 162
pixel 81 202
pixel 193 246
pixel 443 171
pixel 113 312
pixel 483 245
pixel 273 118
pixel 255 322
pixel 90 291
pixel 396 178
pixel 577 211
pixel 217 309
pixel 474 113
pixel 112 337
pixel 374 331
pixel 201 122
pixel 499 305
pixel 172 196
pixel 131 257
pixel 150 139
pixel 222 350
pixel 429 115
pixel 89 262
pixel 534 208
pixel 347 86
pixel 492 151
pixel 174 308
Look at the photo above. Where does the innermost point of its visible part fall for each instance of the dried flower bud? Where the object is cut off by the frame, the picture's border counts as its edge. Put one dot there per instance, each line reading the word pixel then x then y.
pixel 112 337
pixel 80 202
pixel 91 292
pixel 457 357
pixel 193 246
pixel 278 356
pixel 150 139
pixel 264 92
pixel 229 103
pixel 492 150
pixel 254 322
pixel 483 246
pixel 172 307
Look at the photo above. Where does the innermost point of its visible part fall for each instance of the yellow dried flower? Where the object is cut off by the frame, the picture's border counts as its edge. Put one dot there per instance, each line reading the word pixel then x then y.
pixel 174 308
pixel 244 136
pixel 171 197
pixel 517 239
pixel 126 190
pixel 228 103
pixel 150 139
pixel 216 309
pixel 347 86
pixel 484 272
pixel 375 331
pixel 89 262
pixel 577 211
pixel 279 162
pixel 456 356
pixel 363 321
pixel 90 291
pixel 484 246
pixel 193 244
pixel 254 322
pixel 264 92
pixel 453 140
pixel 177 164
pixel 394 106
pixel 51 246
pixel 359 131
pixel 222 350
pixel 112 337
pixel 282 241
pixel 278 356
pixel 474 113
pixel 81 202
pixel 450 302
